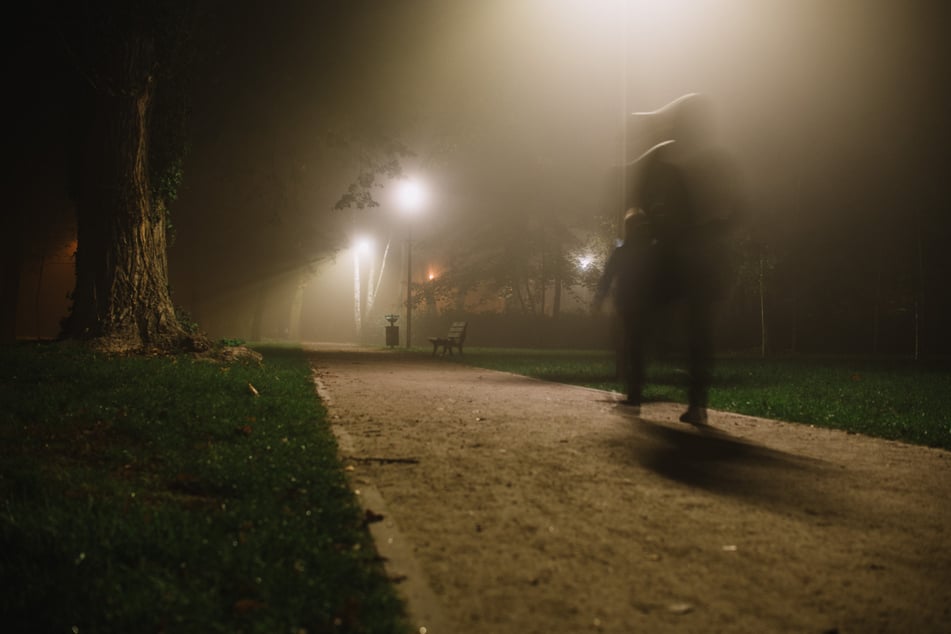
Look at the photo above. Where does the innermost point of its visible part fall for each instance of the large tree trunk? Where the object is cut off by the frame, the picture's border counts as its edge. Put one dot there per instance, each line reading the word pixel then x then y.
pixel 122 301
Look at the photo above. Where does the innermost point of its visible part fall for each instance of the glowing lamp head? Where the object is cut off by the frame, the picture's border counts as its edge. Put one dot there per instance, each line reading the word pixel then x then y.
pixel 363 245
pixel 412 195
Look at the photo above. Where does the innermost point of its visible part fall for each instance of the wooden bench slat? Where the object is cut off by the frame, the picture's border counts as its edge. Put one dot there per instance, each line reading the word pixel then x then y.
pixel 453 339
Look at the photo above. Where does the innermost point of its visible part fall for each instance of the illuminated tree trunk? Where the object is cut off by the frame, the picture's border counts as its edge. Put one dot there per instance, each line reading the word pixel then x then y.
pixel 122 301
pixel 762 307
pixel 543 281
pixel 877 306
pixel 257 317
pixel 919 287
pixel 357 296
pixel 794 334
pixel 297 310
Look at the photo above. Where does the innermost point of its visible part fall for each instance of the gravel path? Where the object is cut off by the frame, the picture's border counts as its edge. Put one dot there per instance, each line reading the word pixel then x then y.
pixel 512 505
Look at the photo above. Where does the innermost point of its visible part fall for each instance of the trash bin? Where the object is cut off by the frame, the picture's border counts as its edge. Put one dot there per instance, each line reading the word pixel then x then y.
pixel 392 336
pixel 392 331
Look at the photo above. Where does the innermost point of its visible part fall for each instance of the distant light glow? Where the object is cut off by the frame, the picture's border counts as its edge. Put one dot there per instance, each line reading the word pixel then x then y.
pixel 585 261
pixel 432 276
pixel 362 245
pixel 411 195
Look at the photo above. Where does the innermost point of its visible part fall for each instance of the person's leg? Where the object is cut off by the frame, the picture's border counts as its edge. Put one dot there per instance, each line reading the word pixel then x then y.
pixel 637 336
pixel 635 377
pixel 700 343
pixel 633 361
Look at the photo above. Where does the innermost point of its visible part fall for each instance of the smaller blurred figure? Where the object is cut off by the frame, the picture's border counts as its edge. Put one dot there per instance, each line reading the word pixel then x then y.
pixel 631 272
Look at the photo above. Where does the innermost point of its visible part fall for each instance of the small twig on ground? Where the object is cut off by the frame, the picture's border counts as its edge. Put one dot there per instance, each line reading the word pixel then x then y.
pixel 382 460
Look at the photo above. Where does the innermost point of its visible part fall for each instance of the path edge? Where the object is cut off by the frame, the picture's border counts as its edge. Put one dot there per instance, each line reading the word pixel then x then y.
pixel 424 610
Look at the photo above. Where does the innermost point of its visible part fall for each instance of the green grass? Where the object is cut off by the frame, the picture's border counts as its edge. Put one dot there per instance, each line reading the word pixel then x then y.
pixel 899 400
pixel 160 494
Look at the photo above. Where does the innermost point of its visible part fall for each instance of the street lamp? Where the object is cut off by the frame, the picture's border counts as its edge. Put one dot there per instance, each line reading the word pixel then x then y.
pixel 361 246
pixel 411 196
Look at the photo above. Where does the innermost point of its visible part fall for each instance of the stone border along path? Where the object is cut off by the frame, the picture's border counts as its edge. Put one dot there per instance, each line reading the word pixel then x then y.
pixel 511 505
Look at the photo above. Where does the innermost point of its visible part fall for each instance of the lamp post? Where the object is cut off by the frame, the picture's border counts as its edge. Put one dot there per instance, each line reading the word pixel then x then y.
pixel 361 246
pixel 409 283
pixel 411 197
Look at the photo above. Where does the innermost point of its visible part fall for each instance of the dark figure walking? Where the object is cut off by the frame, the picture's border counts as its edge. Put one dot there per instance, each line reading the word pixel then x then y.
pixel 689 191
pixel 631 272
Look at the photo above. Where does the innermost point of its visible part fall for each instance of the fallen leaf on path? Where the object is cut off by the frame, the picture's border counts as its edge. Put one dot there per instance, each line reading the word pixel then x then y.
pixel 679 608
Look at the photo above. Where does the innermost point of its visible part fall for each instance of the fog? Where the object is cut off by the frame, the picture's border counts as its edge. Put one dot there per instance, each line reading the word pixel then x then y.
pixel 516 113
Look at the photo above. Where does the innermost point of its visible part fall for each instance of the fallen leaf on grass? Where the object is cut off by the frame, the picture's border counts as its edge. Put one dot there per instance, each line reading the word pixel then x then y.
pixel 244 606
pixel 253 390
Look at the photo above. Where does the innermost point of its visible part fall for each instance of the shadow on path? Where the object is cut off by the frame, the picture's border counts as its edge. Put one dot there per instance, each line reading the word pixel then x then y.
pixel 718 462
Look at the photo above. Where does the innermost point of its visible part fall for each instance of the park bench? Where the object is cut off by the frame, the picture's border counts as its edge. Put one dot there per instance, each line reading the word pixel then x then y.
pixel 455 338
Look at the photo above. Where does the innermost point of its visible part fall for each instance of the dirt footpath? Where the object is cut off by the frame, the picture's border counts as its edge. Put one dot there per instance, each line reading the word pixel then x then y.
pixel 516 506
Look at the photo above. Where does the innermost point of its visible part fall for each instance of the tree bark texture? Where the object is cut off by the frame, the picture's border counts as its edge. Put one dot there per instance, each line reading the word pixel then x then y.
pixel 122 301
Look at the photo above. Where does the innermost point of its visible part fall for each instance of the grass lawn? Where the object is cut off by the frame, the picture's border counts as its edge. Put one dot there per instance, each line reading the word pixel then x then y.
pixel 162 494
pixel 900 400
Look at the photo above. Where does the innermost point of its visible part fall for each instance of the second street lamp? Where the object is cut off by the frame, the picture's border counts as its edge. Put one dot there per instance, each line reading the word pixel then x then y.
pixel 411 197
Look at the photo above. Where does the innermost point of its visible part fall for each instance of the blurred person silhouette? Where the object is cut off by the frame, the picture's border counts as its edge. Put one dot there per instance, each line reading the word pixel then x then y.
pixel 630 272
pixel 689 189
